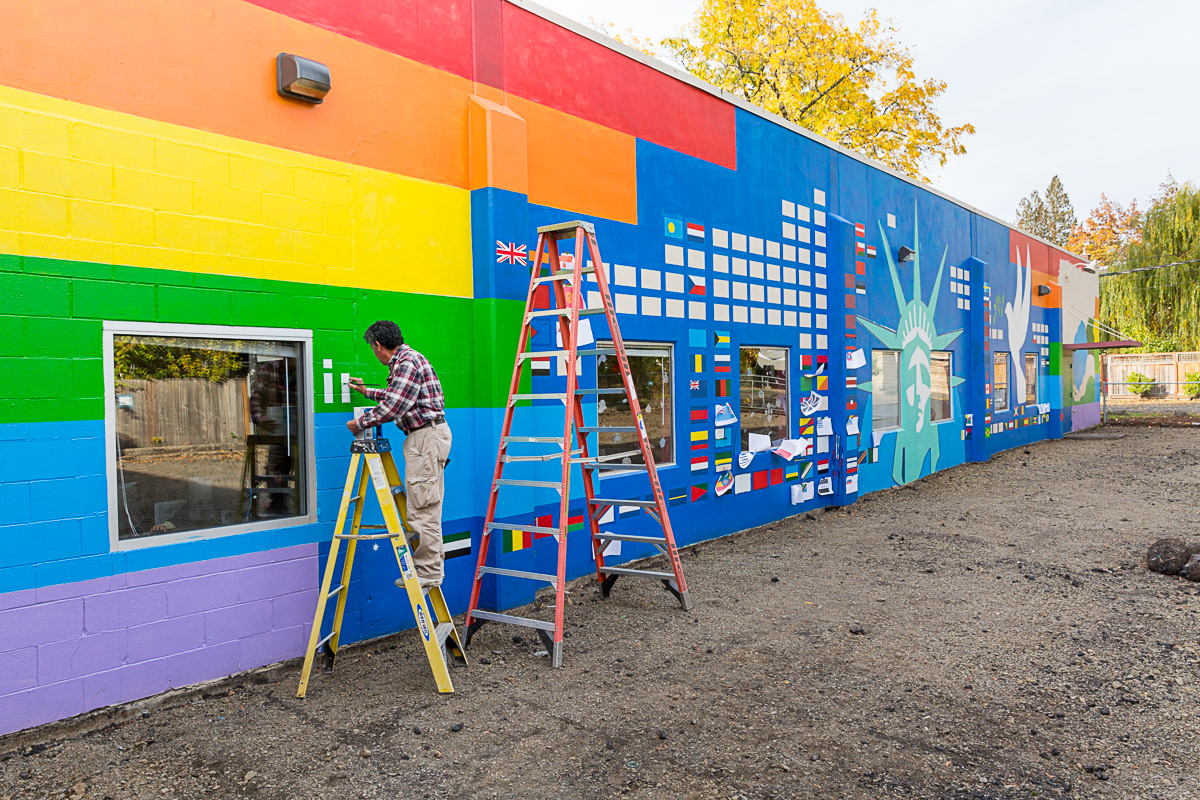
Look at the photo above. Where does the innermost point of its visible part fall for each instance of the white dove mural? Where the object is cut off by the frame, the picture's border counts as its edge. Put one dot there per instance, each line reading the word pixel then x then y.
pixel 1017 314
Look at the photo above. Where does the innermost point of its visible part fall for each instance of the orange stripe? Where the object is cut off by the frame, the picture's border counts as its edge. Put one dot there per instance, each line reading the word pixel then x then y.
pixel 209 64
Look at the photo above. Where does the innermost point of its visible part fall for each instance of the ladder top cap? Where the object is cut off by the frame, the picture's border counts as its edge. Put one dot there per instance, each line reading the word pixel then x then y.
pixel 563 229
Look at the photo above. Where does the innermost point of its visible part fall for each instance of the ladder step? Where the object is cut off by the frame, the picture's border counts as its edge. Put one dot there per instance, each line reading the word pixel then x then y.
pixel 362 537
pixel 564 312
pixel 566 273
pixel 603 351
pixel 321 643
pixel 508 526
pixel 333 592
pixel 496 616
pixel 646 572
pixel 606 502
pixel 561 230
pixel 518 573
pixel 537 396
pixel 546 457
pixel 593 464
pixel 443 631
pixel 630 537
pixel 522 482
pixel 618 390
pixel 605 429
pixel 610 458
pixel 534 439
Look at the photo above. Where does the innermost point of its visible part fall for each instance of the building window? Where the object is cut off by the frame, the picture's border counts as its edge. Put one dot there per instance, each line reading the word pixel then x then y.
pixel 208 429
pixel 940 406
pixel 1000 382
pixel 885 390
pixel 764 393
pixel 652 368
pixel 1031 378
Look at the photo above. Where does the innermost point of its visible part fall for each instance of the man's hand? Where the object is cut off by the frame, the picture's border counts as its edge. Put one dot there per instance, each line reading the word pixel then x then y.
pixel 352 426
pixel 357 385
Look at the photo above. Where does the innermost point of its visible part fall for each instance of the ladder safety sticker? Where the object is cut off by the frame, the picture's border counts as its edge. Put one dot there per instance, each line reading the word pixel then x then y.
pixel 404 567
pixel 377 476
pixel 421 621
pixel 642 426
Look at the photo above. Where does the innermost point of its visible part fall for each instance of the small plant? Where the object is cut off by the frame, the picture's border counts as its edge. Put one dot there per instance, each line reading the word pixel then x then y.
pixel 1192 387
pixel 1141 385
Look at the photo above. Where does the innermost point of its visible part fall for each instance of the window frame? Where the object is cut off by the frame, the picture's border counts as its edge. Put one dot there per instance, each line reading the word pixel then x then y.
pixel 949 386
pixel 303 337
pixel 899 392
pixel 788 417
pixel 631 348
pixel 996 408
pixel 1036 368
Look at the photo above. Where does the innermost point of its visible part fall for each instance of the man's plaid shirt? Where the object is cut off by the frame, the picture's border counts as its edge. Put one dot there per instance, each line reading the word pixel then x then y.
pixel 412 397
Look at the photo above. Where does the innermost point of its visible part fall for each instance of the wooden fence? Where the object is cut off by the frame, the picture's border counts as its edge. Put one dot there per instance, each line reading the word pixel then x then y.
pixel 1167 370
pixel 182 411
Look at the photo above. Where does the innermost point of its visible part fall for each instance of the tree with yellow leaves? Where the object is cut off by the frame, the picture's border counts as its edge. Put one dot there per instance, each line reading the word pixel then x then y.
pixel 854 86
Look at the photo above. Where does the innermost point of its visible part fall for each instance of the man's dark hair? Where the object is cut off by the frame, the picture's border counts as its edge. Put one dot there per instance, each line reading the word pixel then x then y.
pixel 386 332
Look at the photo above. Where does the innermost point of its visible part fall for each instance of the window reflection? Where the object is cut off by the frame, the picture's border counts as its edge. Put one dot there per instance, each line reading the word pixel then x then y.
pixel 764 393
pixel 210 432
pixel 651 368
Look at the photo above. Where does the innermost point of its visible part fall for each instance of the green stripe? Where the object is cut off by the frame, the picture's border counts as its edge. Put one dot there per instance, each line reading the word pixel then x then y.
pixel 456 537
pixel 52 311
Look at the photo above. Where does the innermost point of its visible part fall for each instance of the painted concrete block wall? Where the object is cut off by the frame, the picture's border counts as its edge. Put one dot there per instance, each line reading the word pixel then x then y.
pixel 448 137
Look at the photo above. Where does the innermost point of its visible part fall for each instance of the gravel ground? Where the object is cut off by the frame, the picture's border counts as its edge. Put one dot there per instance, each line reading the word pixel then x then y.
pixel 989 632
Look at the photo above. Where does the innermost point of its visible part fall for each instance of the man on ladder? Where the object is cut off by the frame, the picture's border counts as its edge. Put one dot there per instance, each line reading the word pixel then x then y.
pixel 413 399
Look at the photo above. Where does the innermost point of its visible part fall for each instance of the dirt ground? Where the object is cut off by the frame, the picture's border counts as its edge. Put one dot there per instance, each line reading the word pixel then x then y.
pixel 988 632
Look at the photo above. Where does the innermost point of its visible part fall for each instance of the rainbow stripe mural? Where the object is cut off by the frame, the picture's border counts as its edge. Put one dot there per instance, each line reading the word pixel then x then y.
pixel 154 185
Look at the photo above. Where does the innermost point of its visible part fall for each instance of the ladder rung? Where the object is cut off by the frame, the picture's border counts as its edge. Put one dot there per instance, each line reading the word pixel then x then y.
pixel 329 636
pixel 519 573
pixel 537 396
pixel 534 439
pixel 564 312
pixel 593 464
pixel 611 458
pixel 546 457
pixel 508 526
pixel 646 572
pixel 334 591
pixel 605 429
pixel 496 616
pixel 631 537
pixel 443 631
pixel 561 230
pixel 522 482
pixel 604 502
pixel 618 390
pixel 566 273
pixel 362 537
pixel 604 351
pixel 373 527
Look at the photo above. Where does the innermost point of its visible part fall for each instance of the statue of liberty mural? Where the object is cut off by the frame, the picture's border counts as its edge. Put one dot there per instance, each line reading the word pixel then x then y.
pixel 916 338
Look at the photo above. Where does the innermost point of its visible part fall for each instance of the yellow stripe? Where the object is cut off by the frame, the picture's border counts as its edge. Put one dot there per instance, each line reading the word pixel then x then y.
pixel 699 436
pixel 95 185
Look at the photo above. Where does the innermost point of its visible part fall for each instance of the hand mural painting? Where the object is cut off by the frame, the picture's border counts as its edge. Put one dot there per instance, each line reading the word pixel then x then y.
pixel 1017 314
pixel 1080 301
pixel 916 338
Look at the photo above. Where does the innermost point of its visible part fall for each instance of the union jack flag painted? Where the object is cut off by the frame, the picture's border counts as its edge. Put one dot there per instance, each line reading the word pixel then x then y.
pixel 511 253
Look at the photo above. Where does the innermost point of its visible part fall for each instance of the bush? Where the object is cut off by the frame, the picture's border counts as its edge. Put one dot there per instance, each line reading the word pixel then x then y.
pixel 1192 387
pixel 1141 385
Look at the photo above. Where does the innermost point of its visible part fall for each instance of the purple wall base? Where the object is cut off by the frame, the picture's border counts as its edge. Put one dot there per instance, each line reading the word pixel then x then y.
pixel 76 647
pixel 1085 416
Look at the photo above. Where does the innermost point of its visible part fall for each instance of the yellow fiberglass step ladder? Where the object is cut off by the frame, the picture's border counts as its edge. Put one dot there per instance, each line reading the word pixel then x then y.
pixel 434 622
pixel 567 306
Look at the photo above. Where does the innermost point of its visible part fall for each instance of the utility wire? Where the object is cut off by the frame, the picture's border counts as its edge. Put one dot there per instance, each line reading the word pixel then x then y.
pixel 1147 269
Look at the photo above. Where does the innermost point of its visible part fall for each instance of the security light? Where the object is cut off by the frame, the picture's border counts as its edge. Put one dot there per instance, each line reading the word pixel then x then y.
pixel 301 79
pixel 905 254
pixel 1043 290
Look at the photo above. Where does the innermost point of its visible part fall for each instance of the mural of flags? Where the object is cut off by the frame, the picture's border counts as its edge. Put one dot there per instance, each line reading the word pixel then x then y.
pixel 700 440
pixel 806 426
pixel 678 497
pixel 695 232
pixel 721 339
pixel 699 463
pixel 721 363
pixel 515 541
pixel 695 284
pixel 699 491
pixel 724 437
pixel 699 413
pixel 625 512
pixel 852 382
pixel 851 465
pixel 822 383
pixel 792 474
pixel 860 249
pixel 511 253
pixel 540 366
pixel 724 460
pixel 860 229
pixel 457 544
pixel 806 469
pixel 722 387
pixel 860 287
pixel 761 479
pixel 870 251
pixel 777 476
pixel 823 465
pixel 698 388
pixel 698 362
pixel 673 227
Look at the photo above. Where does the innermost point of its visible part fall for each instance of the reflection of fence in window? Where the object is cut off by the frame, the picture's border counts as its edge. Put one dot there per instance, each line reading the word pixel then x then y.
pixel 763 396
pixel 209 432
pixel 651 369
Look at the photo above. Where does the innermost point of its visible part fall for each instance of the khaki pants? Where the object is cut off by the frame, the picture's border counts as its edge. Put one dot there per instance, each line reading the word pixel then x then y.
pixel 426 452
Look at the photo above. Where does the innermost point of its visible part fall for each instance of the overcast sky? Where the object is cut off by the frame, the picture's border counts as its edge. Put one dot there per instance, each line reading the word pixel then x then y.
pixel 1099 92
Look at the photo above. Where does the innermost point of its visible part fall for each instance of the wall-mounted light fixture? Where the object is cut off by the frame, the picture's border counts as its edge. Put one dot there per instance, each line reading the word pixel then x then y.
pixel 905 254
pixel 301 79
pixel 1043 290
